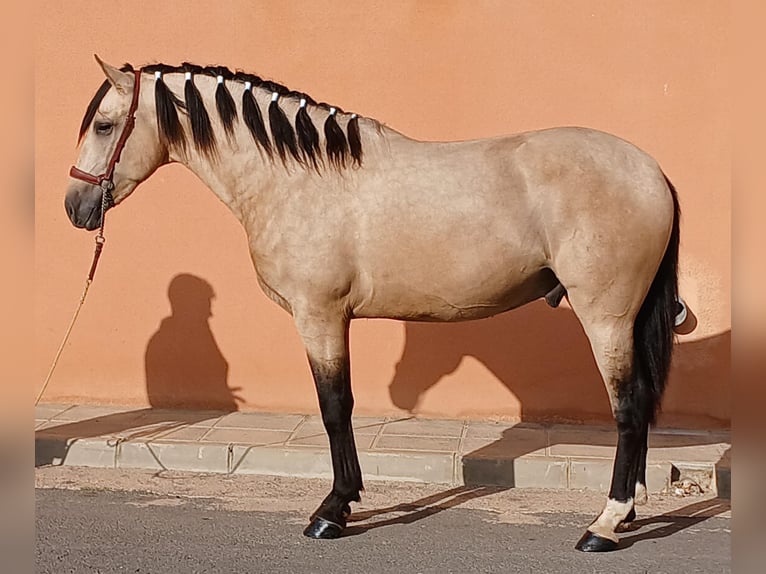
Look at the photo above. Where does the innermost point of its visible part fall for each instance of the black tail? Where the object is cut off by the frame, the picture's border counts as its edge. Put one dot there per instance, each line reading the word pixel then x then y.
pixel 653 329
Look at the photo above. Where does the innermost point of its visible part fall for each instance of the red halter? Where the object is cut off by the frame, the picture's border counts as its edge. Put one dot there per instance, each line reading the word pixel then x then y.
pixel 105 179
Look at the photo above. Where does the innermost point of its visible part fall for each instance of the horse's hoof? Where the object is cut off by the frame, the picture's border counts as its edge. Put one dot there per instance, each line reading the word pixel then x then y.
pixel 345 511
pixel 323 529
pixel 591 542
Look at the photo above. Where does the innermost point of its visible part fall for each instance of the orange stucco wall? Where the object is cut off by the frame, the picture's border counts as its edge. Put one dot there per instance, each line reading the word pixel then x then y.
pixel 654 73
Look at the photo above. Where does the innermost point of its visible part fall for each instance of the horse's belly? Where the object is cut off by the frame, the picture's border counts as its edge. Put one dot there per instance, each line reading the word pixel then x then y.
pixel 476 299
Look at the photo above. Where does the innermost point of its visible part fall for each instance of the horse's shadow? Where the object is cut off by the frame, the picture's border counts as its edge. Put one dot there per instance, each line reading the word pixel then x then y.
pixel 361 522
pixel 184 368
pixel 538 353
pixel 674 521
pixel 408 512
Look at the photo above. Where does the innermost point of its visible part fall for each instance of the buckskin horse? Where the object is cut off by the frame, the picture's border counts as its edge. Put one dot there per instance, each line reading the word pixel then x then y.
pixel 348 218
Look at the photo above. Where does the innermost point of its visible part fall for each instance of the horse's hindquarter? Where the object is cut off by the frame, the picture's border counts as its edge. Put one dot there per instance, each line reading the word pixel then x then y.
pixel 607 213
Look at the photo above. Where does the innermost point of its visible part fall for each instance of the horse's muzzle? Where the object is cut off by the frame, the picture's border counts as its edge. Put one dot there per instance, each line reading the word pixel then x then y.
pixel 83 206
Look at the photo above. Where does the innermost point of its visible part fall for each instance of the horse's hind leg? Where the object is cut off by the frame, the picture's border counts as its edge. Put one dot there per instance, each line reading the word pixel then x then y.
pixel 327 348
pixel 612 342
pixel 641 492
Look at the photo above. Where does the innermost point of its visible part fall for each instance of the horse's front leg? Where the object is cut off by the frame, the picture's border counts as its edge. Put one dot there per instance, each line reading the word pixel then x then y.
pixel 327 348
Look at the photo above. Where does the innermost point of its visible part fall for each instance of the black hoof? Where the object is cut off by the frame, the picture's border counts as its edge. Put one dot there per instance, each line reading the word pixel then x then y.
pixel 346 511
pixel 594 543
pixel 323 529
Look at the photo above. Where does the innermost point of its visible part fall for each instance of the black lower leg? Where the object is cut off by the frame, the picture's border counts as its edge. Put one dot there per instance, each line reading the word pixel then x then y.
pixel 336 402
pixel 641 471
pixel 630 425
pixel 638 471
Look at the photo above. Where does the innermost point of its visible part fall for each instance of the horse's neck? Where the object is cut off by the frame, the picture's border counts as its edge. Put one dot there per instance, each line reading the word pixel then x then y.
pixel 241 174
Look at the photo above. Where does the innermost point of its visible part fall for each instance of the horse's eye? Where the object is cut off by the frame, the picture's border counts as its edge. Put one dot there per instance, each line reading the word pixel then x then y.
pixel 104 129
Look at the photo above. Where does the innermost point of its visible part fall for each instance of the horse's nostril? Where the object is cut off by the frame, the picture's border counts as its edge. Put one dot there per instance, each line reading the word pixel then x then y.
pixel 70 208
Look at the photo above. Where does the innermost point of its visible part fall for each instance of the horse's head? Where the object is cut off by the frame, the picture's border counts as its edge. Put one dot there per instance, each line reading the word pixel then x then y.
pixel 114 155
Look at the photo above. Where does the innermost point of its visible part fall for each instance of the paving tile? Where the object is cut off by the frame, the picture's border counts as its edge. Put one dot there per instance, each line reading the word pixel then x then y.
pixel 317 439
pixel 45 411
pixel 50 450
pixel 590 474
pixel 486 430
pixel 184 433
pixel 524 472
pixel 549 472
pixel 50 428
pixel 418 443
pixel 178 417
pixel 83 412
pixel 722 483
pixel 424 427
pixel 696 435
pixel 137 455
pixel 194 457
pixel 246 436
pixel 363 442
pixel 367 425
pixel 57 451
pixel 301 462
pixel 145 432
pixel 126 429
pixel 362 426
pixel 408 466
pixel 514 443
pixel 264 421
pixel 658 476
pixel 113 425
pixel 582 442
pixel 710 453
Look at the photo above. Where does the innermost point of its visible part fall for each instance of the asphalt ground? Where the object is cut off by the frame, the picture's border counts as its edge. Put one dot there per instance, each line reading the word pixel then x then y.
pixel 115 521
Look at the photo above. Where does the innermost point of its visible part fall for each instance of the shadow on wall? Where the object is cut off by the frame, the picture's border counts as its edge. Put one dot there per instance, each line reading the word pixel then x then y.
pixel 184 369
pixel 184 366
pixel 544 358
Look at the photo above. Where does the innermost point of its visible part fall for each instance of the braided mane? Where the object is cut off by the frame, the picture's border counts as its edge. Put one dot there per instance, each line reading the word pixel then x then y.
pixel 298 140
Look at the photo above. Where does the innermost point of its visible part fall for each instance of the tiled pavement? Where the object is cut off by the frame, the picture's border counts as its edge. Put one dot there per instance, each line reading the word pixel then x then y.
pixel 406 448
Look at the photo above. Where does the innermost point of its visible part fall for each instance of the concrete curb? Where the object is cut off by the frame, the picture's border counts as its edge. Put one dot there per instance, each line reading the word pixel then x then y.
pixel 446 452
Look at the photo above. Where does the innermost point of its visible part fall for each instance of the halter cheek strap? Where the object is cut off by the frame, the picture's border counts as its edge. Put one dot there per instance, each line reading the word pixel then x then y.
pixel 105 179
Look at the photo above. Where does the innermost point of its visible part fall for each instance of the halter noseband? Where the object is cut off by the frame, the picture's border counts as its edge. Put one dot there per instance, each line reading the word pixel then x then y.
pixel 105 179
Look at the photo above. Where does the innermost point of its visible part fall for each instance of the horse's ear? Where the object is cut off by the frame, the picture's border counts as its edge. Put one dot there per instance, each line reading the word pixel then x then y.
pixel 121 81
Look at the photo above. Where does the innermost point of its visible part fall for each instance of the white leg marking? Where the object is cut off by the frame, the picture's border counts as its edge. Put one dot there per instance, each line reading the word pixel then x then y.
pixel 613 514
pixel 641 495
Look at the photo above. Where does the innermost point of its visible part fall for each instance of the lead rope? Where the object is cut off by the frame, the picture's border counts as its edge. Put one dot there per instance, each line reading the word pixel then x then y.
pixel 106 199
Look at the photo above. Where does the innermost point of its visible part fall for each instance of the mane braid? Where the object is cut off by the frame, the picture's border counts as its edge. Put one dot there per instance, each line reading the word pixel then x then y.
pixel 224 103
pixel 202 131
pixel 354 140
pixel 308 137
pixel 336 144
pixel 283 133
pixel 166 103
pixel 251 115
